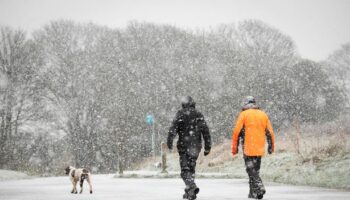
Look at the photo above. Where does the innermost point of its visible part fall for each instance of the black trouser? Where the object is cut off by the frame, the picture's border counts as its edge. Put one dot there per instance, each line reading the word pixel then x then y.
pixel 188 167
pixel 252 164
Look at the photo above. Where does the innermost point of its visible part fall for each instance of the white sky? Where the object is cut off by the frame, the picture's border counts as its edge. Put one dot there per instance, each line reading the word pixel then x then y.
pixel 317 26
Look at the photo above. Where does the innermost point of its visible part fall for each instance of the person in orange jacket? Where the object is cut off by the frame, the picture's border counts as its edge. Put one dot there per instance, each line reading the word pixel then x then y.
pixel 253 128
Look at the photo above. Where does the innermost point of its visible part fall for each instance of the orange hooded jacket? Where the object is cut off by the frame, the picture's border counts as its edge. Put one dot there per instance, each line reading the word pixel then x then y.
pixel 256 126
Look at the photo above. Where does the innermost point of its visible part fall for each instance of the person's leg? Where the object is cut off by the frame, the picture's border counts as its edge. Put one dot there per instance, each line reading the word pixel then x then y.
pixel 185 169
pixel 256 187
pixel 248 161
pixel 259 183
pixel 252 167
pixel 188 169
pixel 185 172
pixel 193 189
pixel 192 165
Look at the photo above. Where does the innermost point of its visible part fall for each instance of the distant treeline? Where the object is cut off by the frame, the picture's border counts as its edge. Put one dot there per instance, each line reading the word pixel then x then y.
pixel 70 92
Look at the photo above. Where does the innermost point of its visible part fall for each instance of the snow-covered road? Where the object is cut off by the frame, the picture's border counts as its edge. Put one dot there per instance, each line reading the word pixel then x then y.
pixel 108 188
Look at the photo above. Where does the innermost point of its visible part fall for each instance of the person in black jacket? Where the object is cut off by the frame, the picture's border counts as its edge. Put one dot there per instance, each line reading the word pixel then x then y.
pixel 190 125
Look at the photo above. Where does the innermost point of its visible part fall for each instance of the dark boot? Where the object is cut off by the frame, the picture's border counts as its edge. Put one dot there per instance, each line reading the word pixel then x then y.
pixel 185 196
pixel 256 189
pixel 261 190
pixel 260 196
pixel 192 192
pixel 252 194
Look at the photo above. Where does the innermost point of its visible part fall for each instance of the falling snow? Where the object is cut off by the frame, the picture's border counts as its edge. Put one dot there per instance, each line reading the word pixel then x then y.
pixel 72 92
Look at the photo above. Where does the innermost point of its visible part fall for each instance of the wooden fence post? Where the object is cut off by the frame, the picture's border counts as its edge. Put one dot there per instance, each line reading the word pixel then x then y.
pixel 120 158
pixel 297 136
pixel 163 152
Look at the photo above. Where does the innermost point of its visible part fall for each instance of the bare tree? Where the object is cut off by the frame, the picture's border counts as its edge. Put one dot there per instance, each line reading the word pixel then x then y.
pixel 338 68
pixel 20 99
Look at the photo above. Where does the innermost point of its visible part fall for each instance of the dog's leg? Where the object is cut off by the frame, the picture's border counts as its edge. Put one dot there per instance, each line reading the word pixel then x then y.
pixel 75 187
pixel 81 185
pixel 89 182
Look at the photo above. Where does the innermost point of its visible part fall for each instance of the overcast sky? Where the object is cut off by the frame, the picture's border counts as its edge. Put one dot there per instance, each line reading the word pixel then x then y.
pixel 317 26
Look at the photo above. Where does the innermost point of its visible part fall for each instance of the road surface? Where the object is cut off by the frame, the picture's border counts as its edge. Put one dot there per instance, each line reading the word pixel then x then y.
pixel 108 188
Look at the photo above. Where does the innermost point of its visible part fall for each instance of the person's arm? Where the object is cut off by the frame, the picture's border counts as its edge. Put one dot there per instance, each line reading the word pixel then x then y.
pixel 173 130
pixel 270 135
pixel 235 134
pixel 241 136
pixel 205 133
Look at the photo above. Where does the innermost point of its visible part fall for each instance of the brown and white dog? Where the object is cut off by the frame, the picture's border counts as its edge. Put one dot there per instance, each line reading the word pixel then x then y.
pixel 78 175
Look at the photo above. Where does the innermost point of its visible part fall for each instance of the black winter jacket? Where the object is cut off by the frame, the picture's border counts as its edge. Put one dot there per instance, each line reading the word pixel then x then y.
pixel 190 125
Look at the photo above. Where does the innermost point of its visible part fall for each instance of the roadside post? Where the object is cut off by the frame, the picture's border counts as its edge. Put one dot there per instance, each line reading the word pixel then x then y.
pixel 150 122
pixel 164 148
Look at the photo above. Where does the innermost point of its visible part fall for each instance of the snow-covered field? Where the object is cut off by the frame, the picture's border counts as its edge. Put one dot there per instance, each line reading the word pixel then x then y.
pixel 108 188
pixel 12 175
pixel 321 165
pixel 170 174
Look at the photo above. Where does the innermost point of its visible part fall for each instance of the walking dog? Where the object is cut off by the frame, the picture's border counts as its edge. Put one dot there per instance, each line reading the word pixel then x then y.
pixel 78 175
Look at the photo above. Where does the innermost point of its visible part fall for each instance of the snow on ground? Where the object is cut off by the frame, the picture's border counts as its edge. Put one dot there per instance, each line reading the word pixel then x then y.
pixel 327 167
pixel 108 188
pixel 12 175
pixel 170 174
